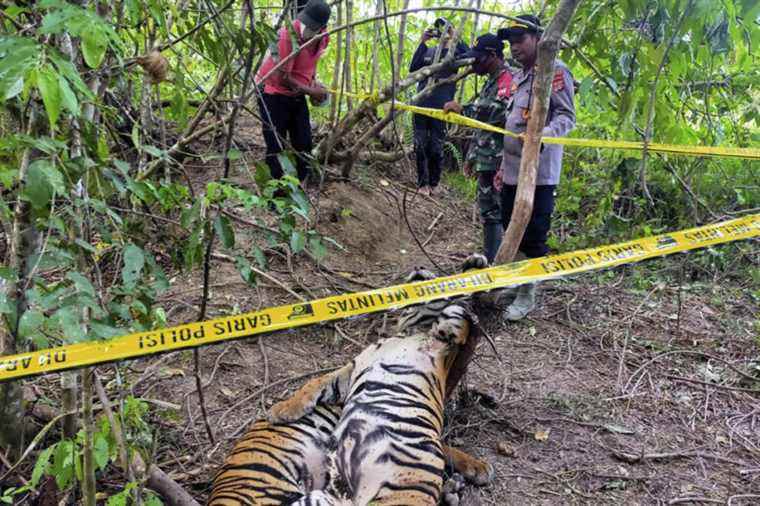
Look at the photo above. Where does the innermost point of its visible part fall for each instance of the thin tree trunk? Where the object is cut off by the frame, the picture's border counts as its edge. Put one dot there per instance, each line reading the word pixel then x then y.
pixel 652 100
pixel 11 408
pixel 401 43
pixel 548 47
pixel 334 106
pixel 526 185
pixel 88 461
pixel 349 42
pixel 374 78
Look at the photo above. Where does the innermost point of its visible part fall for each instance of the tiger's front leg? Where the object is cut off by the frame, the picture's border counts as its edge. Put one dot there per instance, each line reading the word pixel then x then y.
pixel 328 389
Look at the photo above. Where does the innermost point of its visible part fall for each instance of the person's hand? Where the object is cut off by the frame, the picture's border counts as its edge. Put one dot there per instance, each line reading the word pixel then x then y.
pixel 498 182
pixel 452 106
pixel 318 93
pixel 467 169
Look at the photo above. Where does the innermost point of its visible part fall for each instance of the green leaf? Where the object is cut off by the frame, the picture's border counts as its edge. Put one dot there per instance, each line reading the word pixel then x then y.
pixel 47 84
pixel 94 45
pixel 30 323
pixel 18 56
pixel 134 9
pixel 42 180
pixel 68 320
pixel 68 98
pixel 63 463
pixel 286 164
pixel 8 177
pixel 41 466
pixel 224 231
pixel 81 283
pixel 260 257
pixel 262 175
pixel 297 241
pixel 317 248
pixel 101 451
pixel 244 268
pixel 134 261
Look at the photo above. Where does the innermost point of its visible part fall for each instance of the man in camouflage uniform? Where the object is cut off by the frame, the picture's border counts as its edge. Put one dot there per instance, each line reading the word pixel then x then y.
pixel 523 37
pixel 485 152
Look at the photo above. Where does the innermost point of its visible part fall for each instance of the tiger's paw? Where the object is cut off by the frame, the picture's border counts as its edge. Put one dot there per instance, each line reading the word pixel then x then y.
pixel 478 472
pixel 475 470
pixel 284 412
pixel 474 261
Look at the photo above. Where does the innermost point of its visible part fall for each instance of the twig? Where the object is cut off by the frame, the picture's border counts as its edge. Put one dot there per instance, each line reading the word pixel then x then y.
pixel 695 499
pixel 8 465
pixel 714 385
pixel 414 236
pixel 266 361
pixel 741 496
pixel 118 435
pixel 685 352
pixel 226 258
pixel 634 459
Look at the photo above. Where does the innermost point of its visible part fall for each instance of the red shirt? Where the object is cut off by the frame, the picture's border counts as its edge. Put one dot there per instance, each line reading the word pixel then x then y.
pixel 302 68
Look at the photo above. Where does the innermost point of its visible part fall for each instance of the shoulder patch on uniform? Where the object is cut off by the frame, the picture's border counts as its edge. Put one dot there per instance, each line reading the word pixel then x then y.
pixel 504 85
pixel 558 83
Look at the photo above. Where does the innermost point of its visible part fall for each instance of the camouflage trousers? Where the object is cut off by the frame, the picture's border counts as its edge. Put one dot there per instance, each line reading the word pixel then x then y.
pixel 489 200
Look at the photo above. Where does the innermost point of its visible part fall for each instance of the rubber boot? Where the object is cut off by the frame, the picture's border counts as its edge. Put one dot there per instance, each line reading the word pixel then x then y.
pixel 492 233
pixel 523 304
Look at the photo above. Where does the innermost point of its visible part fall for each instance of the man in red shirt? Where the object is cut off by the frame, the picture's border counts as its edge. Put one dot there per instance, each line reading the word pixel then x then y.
pixel 282 101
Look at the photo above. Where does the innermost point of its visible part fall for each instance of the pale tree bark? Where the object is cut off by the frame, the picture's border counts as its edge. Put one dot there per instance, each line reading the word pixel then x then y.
pixel 401 43
pixel 336 84
pixel 88 424
pixel 548 47
pixel 526 186
pixel 374 78
pixel 20 246
pixel 347 58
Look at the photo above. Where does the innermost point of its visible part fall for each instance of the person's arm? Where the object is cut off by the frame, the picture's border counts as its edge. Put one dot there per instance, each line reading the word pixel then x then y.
pixel 561 119
pixel 460 50
pixel 418 58
pixel 285 47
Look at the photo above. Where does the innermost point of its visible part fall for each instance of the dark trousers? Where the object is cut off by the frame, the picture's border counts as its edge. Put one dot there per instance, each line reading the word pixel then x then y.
pixel 284 117
pixel 534 241
pixel 429 134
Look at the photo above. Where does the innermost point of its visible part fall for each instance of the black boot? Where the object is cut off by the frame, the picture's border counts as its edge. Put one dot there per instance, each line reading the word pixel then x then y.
pixel 492 233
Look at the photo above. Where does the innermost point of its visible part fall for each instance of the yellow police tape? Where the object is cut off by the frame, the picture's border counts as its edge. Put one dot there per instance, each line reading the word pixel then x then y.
pixel 676 149
pixel 345 305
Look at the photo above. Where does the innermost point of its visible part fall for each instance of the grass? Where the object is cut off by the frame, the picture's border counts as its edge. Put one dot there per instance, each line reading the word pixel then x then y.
pixel 467 187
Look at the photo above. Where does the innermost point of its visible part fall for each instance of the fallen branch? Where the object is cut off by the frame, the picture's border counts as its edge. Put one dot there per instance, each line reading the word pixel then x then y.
pixel 634 459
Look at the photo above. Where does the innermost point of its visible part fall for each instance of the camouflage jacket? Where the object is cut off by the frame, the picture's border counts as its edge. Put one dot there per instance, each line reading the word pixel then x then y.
pixel 489 107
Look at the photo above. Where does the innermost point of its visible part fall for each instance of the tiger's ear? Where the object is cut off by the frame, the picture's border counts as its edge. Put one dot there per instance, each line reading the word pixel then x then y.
pixel 474 261
pixel 419 274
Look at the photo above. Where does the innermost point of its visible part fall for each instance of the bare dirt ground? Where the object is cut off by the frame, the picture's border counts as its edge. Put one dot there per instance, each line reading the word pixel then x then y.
pixel 624 387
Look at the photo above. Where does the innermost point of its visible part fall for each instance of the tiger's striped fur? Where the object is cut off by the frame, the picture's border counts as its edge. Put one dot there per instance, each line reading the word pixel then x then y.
pixel 274 464
pixel 285 462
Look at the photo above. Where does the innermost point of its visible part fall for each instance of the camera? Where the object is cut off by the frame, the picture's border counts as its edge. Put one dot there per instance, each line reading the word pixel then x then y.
pixel 433 32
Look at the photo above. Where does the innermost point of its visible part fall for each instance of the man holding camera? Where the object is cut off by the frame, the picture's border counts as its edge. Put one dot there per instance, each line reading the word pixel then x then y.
pixel 485 151
pixel 429 133
pixel 523 36
pixel 282 101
